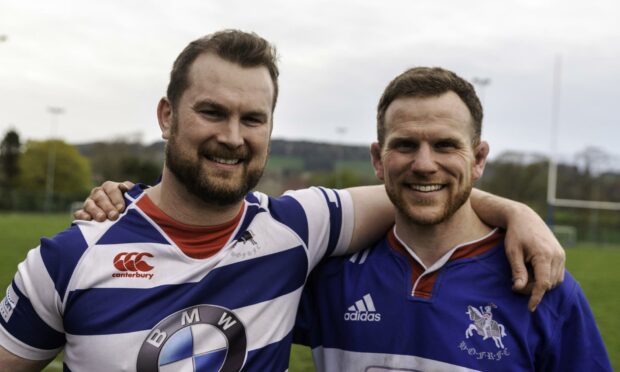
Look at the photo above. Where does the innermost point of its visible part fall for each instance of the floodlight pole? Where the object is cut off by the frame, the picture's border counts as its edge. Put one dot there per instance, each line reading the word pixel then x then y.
pixel 552 177
pixel 51 158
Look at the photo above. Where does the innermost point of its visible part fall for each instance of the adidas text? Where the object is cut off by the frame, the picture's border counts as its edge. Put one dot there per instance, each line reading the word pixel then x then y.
pixel 362 317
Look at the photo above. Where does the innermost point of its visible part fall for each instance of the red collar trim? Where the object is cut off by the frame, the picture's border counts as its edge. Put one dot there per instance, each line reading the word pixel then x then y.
pixel 425 286
pixel 195 241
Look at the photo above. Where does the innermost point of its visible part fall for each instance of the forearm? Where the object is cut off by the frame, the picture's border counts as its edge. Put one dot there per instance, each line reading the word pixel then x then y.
pixel 528 240
pixel 10 362
pixel 374 215
pixel 495 210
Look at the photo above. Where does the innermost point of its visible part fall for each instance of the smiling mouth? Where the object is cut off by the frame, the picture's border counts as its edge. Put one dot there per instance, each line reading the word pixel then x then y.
pixel 427 188
pixel 224 160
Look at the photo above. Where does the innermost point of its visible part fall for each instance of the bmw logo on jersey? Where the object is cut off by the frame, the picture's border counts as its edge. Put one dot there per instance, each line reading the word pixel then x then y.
pixel 199 338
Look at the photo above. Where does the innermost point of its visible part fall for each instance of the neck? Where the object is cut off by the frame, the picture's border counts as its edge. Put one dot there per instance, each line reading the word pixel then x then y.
pixel 173 199
pixel 431 242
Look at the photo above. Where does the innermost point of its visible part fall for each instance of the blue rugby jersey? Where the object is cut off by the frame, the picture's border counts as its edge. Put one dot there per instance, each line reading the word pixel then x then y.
pixel 380 310
pixel 121 296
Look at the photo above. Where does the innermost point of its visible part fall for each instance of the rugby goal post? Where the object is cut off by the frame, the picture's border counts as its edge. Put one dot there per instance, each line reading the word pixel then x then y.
pixel 552 178
pixel 572 203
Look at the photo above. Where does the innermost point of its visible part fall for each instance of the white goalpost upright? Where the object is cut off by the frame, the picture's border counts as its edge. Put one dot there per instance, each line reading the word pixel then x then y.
pixel 566 234
pixel 552 177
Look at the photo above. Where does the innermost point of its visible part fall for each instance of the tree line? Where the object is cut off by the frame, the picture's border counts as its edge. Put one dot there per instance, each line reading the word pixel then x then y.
pixel 25 168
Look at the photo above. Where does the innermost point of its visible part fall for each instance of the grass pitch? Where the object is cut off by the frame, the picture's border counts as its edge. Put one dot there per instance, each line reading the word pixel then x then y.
pixel 593 266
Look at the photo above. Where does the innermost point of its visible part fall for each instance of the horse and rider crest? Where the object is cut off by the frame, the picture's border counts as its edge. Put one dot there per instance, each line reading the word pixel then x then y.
pixel 484 325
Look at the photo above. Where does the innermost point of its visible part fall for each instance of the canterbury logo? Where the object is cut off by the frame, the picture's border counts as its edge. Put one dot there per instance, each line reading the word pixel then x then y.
pixel 132 261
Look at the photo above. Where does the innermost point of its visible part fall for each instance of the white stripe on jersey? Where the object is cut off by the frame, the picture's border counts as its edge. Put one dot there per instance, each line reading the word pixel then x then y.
pixel 92 231
pixel 109 348
pixel 32 278
pixel 172 266
pixel 17 347
pixel 274 238
pixel 319 230
pixel 263 326
pixel 364 256
pixel 345 360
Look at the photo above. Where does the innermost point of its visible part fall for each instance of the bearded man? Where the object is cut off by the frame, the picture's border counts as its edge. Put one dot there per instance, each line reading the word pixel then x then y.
pixel 199 273
pixel 411 302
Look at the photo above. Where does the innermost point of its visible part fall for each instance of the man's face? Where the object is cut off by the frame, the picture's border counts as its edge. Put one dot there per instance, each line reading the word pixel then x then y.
pixel 428 162
pixel 218 133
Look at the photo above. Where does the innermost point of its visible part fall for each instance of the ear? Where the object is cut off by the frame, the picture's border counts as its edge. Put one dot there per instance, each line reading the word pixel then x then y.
pixel 377 163
pixel 164 116
pixel 480 159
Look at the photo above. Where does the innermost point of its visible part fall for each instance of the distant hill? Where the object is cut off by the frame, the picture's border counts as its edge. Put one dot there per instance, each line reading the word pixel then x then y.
pixel 311 156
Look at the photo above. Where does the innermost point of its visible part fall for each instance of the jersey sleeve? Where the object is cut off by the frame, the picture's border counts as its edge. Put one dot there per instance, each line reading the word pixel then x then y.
pixel 31 324
pixel 577 344
pixel 323 218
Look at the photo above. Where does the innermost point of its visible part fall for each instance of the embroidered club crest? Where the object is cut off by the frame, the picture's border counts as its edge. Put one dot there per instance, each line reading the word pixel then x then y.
pixel 484 325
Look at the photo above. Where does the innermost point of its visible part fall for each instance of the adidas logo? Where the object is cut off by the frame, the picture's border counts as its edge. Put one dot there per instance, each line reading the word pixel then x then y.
pixel 363 311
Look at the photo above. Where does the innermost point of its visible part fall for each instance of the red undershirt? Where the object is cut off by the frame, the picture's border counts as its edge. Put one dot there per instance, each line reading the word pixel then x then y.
pixel 195 241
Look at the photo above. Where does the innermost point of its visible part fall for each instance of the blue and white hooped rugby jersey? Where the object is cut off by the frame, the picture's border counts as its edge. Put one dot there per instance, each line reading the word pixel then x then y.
pixel 381 310
pixel 121 296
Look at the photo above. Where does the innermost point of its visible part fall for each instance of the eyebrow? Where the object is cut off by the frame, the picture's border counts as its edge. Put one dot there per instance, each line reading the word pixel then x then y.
pixel 215 105
pixel 401 140
pixel 408 140
pixel 210 104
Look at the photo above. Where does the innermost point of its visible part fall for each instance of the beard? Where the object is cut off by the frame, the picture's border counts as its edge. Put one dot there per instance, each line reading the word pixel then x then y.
pixel 213 189
pixel 407 208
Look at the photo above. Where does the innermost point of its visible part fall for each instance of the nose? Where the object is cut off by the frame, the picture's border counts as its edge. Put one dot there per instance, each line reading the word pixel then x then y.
pixel 424 160
pixel 230 134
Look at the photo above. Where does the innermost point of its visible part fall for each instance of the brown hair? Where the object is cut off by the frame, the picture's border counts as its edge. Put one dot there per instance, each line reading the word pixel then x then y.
pixel 243 48
pixel 429 82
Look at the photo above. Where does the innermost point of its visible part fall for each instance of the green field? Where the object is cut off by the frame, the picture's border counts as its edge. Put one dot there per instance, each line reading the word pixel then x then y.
pixel 593 266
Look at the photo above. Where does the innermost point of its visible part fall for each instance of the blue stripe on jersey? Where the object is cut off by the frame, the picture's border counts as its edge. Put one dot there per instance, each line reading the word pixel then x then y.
pixel 132 228
pixel 251 198
pixel 251 211
pixel 117 310
pixel 33 330
pixel 273 357
pixel 335 221
pixel 288 211
pixel 61 254
pixel 136 191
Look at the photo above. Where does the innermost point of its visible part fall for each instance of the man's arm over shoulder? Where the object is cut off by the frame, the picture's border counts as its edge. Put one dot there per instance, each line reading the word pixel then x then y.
pixel 374 215
pixel 10 362
pixel 528 241
pixel 104 202
pixel 321 217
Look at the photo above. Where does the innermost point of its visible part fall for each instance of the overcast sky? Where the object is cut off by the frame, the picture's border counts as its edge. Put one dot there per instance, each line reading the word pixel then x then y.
pixel 106 63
